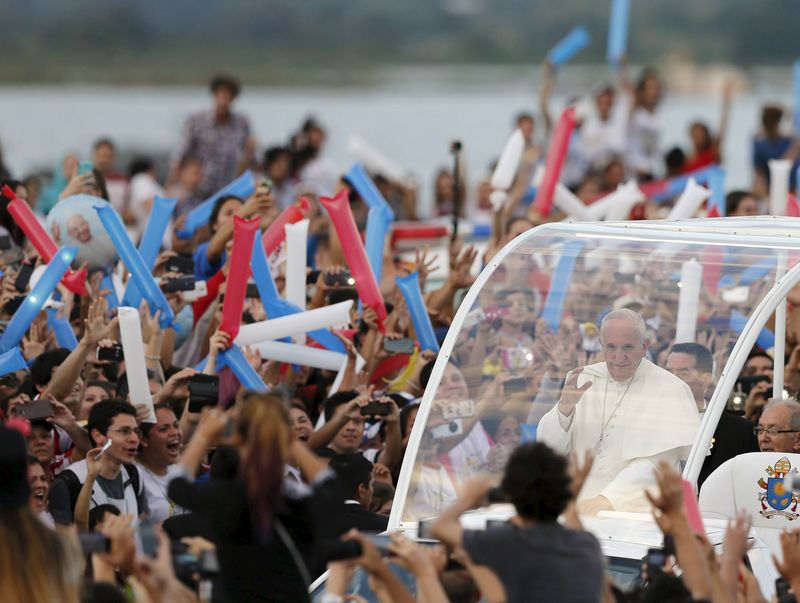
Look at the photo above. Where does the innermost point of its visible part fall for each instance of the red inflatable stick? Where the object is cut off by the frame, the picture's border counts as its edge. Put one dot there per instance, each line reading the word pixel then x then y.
pixel 339 210
pixel 555 160
pixel 22 214
pixel 275 233
pixel 244 233
pixel 792 207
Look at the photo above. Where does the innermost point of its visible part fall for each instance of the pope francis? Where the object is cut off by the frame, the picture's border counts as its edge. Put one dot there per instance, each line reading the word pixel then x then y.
pixel 629 412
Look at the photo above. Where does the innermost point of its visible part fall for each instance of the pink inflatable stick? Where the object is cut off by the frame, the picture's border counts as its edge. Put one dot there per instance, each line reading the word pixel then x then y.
pixel 244 233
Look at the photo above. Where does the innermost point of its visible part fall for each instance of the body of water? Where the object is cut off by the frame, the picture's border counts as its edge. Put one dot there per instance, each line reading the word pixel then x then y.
pixel 413 120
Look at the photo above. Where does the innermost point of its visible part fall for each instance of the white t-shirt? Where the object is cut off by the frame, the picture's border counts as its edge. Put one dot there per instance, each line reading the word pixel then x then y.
pixel 155 488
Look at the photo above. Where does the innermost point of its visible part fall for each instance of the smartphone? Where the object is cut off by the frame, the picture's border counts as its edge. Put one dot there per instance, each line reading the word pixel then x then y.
pixel 375 409
pixel 94 542
pixel 85 167
pixel 312 277
pixel 265 183
pixel 252 291
pixel 203 391
pixel 182 264
pixel 23 277
pixel 13 304
pixel 35 410
pixel 5 242
pixel 381 541
pixel 652 564
pixel 148 538
pixel 781 588
pixel 343 279
pixel 112 353
pixel 398 346
pixel 517 385
pixel 181 283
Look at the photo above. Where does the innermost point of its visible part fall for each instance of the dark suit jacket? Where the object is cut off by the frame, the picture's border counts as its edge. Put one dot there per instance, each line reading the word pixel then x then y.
pixel 734 436
pixel 364 520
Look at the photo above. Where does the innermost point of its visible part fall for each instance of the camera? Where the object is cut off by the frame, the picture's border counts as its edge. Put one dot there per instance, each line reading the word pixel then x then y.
pixel 448 430
pixel 375 409
pixel 178 284
pixel 111 353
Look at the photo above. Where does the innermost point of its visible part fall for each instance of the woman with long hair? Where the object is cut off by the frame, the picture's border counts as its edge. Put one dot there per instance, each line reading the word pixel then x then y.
pixel 265 525
pixel 37 564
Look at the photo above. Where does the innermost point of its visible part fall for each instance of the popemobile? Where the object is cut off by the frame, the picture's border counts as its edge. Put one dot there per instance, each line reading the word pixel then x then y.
pixel 565 338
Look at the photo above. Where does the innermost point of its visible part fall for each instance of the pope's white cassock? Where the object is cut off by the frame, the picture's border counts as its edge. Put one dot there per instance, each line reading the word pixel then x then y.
pixel 630 426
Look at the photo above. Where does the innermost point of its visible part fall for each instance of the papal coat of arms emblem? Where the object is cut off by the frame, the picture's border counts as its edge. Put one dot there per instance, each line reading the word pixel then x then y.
pixel 777 495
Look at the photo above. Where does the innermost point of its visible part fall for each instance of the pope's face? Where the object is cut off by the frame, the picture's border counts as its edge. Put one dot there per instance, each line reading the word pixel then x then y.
pixel 623 348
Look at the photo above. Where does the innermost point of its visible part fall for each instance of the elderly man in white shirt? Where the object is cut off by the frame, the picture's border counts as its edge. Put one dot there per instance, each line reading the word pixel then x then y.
pixel 629 412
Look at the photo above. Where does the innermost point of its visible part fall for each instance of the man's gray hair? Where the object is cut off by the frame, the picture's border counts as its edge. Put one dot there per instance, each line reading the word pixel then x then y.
pixel 629 315
pixel 793 405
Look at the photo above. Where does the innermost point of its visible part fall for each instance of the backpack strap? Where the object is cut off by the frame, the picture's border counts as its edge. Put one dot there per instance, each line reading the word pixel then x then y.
pixel 73 486
pixel 133 478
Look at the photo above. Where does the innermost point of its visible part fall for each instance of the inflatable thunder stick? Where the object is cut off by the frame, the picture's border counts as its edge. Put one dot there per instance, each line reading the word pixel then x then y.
pixel 618 31
pixel 235 359
pixel 130 330
pixel 157 224
pixel 275 233
pixel 296 259
pixel 292 324
pixel 559 285
pixel 135 264
pixel 379 220
pixel 12 361
pixel 691 280
pixel 36 298
pixel 569 46
pixel 506 169
pixel 22 214
pixel 365 187
pixel 244 234
pixel 409 287
pixel 242 187
pixel 555 160
pixel 338 209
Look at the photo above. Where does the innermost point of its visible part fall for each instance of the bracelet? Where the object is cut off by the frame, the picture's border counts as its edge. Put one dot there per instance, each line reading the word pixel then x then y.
pixel 152 357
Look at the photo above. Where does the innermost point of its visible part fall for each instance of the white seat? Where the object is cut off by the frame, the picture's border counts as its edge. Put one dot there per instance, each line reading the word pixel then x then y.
pixel 760 483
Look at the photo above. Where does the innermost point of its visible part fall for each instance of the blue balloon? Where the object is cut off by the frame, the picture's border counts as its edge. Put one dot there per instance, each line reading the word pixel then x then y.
pixel 766 339
pixel 409 287
pixel 150 244
pixel 559 284
pixel 242 187
pixel 618 31
pixel 108 284
pixel 275 306
pixel 569 46
pixel 65 336
pixel 34 301
pixel 135 264
pixel 379 220
pixel 358 177
pixel 12 361
pixel 235 359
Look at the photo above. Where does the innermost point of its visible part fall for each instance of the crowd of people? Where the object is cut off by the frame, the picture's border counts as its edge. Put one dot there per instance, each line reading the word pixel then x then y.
pixel 240 495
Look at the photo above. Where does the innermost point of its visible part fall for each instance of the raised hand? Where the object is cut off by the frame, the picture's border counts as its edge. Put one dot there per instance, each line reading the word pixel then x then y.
pixel 96 326
pixel 571 394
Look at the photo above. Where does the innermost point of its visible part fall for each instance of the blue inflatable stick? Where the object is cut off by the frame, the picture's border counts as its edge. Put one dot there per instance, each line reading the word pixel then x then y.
pixel 235 359
pixel 569 46
pixel 716 184
pixel 766 339
pixel 65 336
pixel 12 361
pixel 618 31
pixel 36 298
pixel 365 187
pixel 559 284
pixel 379 220
pixel 135 264
pixel 242 187
pixel 151 243
pixel 409 287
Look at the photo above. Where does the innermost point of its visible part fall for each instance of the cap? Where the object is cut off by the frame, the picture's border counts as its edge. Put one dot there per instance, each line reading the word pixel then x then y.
pixel 626 301
pixel 14 487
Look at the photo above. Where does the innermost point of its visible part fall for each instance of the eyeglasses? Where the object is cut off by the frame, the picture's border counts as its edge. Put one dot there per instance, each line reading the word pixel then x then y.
pixel 126 432
pixel 771 431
